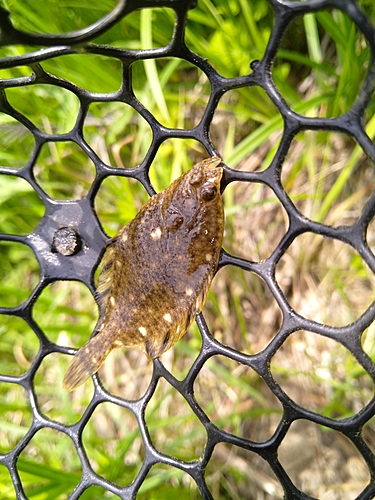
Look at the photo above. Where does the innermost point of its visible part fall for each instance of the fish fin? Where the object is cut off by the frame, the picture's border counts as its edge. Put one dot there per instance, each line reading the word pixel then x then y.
pixel 105 295
pixel 196 305
pixel 87 361
pixel 154 349
pixel 104 284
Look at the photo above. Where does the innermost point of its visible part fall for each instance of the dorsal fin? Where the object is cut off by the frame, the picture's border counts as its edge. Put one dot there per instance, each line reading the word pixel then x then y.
pixel 105 281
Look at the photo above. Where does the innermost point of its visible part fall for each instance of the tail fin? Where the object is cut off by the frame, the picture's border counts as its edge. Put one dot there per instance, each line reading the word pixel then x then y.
pixel 87 361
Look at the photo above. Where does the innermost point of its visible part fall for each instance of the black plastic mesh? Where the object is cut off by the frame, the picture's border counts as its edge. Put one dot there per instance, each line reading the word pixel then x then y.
pixel 69 240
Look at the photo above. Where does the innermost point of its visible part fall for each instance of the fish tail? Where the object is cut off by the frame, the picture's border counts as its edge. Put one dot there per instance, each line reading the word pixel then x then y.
pixel 87 361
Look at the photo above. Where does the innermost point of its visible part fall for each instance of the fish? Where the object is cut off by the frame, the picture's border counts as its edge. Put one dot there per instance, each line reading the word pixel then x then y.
pixel 156 272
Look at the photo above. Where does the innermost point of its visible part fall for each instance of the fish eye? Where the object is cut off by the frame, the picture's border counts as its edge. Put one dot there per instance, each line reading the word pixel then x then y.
pixel 196 179
pixel 209 193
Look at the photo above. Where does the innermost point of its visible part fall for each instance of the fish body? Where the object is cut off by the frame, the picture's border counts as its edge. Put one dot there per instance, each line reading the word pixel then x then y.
pixel 157 271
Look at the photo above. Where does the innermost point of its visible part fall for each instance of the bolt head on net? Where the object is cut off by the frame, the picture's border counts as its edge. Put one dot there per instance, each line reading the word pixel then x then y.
pixel 66 241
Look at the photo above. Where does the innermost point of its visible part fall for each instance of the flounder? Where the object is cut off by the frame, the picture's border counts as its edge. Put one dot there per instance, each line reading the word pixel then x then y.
pixel 157 271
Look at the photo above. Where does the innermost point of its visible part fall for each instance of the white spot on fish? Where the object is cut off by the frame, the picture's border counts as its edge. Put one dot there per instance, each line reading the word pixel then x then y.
pixel 93 359
pixel 112 301
pixel 208 257
pixel 125 237
pixel 156 233
pixel 142 331
pixel 189 292
pixel 167 317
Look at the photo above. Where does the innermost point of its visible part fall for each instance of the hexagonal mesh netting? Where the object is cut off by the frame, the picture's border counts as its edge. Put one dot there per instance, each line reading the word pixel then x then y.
pixel 69 239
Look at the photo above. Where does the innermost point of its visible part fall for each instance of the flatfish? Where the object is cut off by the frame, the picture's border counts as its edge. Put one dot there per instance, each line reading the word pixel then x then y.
pixel 157 271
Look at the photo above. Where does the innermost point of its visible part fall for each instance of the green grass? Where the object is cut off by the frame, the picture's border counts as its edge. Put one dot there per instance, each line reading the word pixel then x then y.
pixel 319 69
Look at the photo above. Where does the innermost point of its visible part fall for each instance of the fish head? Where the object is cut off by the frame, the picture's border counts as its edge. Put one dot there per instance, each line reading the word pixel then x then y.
pixel 203 180
pixel 190 196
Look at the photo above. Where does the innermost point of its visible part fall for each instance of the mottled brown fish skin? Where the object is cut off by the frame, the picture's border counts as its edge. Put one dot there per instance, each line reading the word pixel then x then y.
pixel 157 271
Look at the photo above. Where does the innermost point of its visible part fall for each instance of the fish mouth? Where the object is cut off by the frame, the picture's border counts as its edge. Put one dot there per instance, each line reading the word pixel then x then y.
pixel 212 162
pixel 213 170
pixel 206 172
pixel 215 161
